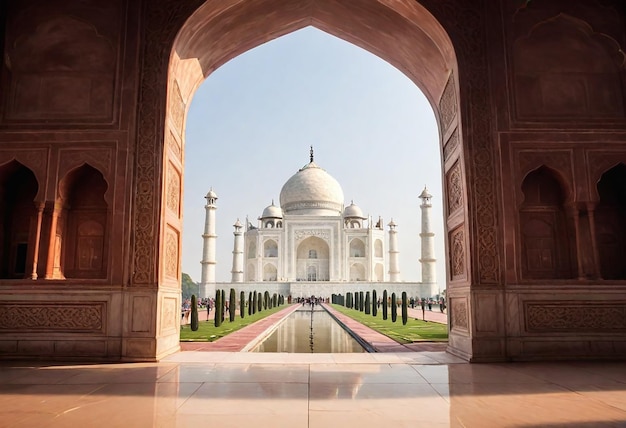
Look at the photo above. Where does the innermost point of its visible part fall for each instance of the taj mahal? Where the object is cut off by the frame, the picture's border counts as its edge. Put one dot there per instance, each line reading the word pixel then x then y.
pixel 313 244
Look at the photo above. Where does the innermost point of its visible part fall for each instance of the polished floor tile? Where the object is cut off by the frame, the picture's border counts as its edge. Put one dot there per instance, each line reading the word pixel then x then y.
pixel 223 389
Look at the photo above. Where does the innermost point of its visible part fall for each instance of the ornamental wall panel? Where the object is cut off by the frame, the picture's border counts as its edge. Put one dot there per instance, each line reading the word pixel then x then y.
pixel 454 188
pixel 456 257
pixel 53 317
pixel 61 62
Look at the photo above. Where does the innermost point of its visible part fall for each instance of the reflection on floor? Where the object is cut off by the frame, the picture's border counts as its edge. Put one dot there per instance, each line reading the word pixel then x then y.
pixel 200 389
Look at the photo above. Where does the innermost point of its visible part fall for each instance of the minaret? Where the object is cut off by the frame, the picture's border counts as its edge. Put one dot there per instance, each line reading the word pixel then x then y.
pixel 394 264
pixel 427 260
pixel 207 283
pixel 237 270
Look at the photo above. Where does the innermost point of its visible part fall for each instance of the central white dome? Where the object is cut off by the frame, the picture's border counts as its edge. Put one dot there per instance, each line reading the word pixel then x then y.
pixel 312 191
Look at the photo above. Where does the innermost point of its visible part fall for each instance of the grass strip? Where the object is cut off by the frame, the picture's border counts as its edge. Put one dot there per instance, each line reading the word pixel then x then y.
pixel 414 331
pixel 207 332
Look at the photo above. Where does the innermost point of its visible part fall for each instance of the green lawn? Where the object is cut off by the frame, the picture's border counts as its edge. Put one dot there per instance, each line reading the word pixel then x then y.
pixel 414 330
pixel 207 332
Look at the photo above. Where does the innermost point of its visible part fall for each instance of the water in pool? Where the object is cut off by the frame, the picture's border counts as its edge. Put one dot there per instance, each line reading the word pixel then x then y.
pixel 309 331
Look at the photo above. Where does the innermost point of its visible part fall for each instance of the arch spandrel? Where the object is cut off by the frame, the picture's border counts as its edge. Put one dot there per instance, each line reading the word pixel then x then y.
pixel 403 33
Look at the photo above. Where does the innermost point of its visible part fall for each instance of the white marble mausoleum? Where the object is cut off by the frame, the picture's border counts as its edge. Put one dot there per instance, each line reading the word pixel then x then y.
pixel 313 244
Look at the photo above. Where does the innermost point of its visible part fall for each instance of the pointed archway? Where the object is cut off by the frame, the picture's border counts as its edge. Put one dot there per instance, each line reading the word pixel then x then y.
pixel 407 35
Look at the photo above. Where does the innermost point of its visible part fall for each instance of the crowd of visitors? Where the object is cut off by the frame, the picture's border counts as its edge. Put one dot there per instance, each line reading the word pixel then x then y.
pixel 204 303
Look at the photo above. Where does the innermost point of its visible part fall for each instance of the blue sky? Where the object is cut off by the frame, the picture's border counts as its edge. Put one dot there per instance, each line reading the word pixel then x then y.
pixel 250 125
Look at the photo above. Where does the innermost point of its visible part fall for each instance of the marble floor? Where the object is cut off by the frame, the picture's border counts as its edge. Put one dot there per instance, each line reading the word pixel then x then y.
pixel 221 389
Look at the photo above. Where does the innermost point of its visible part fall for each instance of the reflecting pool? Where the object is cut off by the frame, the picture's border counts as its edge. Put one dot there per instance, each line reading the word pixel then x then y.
pixel 309 330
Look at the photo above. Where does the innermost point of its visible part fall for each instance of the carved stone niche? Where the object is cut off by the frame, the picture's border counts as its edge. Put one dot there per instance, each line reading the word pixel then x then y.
pixel 563 69
pixel 546 247
pixel 62 63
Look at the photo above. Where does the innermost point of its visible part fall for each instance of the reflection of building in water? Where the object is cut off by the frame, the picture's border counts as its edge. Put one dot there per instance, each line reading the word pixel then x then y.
pixel 312 244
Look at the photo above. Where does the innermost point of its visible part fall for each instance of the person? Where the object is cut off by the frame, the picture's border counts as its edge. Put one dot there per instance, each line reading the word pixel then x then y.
pixel 208 308
pixel 430 304
pixel 186 310
pixel 442 304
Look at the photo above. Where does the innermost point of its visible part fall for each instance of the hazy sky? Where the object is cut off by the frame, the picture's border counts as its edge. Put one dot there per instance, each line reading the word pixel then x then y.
pixel 251 123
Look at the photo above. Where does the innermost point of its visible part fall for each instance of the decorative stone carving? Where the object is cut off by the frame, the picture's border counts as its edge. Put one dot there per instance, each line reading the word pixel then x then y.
pixel 100 159
pixel 457 253
pixel 173 190
pixel 52 317
pixel 454 182
pixel 574 316
pixel 174 145
pixel 171 253
pixel 458 314
pixel 451 144
pixel 162 25
pixel 34 159
pixel 177 106
pixel 466 26
pixel 559 160
pixel 447 104
pixel 599 162
pixel 301 234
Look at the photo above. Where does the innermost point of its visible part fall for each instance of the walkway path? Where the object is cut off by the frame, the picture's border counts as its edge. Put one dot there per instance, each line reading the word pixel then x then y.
pixel 238 340
pixel 435 315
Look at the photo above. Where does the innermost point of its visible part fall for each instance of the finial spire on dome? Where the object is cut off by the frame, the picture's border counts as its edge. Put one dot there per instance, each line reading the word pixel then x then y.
pixel 311 154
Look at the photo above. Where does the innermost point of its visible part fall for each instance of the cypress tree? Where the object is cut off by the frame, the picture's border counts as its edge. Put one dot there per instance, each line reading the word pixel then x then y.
pixel 368 303
pixel 223 304
pixel 254 303
pixel 374 303
pixel 274 300
pixel 405 315
pixel 194 313
pixel 242 304
pixel 361 301
pixel 385 304
pixel 218 308
pixel 250 303
pixel 232 305
pixel 266 299
pixel 259 301
pixel 394 307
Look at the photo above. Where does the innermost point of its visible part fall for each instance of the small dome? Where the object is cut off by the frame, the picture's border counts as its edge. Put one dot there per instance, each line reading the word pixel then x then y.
pixel 353 211
pixel 425 194
pixel 211 194
pixel 272 211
